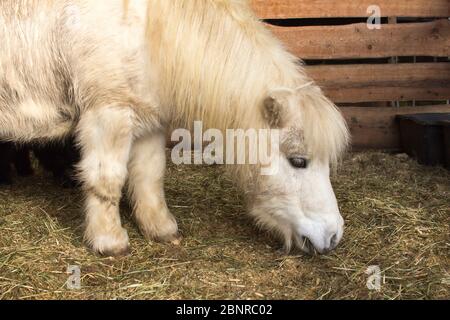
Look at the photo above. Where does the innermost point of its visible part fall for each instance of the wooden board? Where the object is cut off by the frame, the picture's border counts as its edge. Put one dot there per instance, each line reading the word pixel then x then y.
pixel 357 41
pixel 383 82
pixel 376 127
pixel 284 9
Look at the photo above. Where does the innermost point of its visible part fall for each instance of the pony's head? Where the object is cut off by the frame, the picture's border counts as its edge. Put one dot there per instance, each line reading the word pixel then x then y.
pixel 298 201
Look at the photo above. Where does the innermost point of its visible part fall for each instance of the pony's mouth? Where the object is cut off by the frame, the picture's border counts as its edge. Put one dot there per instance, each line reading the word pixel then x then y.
pixel 304 244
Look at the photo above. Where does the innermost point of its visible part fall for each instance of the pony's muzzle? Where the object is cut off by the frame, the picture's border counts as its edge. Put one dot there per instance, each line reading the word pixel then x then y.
pixel 312 245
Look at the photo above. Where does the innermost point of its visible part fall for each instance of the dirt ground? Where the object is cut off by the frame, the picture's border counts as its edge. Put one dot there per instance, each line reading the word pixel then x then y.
pixel 397 216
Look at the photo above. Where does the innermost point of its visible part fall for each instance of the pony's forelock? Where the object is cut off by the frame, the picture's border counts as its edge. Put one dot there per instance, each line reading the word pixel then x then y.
pixel 325 131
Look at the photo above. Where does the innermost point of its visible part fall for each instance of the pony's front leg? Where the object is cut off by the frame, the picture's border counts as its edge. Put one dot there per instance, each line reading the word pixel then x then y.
pixel 146 189
pixel 105 136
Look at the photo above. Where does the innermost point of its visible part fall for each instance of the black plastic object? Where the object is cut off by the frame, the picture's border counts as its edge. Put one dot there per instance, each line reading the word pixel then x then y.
pixel 422 137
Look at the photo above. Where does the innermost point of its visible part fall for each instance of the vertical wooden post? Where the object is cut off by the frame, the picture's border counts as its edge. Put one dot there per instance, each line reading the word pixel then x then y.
pixel 394 60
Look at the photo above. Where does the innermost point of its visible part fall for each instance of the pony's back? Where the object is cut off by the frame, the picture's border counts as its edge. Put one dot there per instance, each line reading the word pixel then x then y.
pixel 58 58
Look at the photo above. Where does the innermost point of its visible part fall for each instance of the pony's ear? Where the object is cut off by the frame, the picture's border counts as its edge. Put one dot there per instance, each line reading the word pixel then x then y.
pixel 276 106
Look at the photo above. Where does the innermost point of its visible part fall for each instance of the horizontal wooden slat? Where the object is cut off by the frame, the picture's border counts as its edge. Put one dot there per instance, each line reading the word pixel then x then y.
pixel 357 41
pixel 283 9
pixel 375 127
pixel 383 82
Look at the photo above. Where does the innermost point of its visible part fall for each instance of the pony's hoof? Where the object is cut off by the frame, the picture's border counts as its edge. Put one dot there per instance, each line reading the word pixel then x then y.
pixel 164 232
pixel 173 239
pixel 116 253
pixel 117 245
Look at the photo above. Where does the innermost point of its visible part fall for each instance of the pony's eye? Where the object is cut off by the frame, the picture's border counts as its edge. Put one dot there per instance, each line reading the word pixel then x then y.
pixel 299 162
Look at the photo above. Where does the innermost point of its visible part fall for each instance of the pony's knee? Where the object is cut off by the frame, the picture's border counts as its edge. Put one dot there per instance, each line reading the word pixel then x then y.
pixel 105 137
pixel 147 161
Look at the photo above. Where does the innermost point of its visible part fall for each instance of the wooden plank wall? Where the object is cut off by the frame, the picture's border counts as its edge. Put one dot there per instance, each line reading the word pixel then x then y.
pixel 325 32
pixel 284 9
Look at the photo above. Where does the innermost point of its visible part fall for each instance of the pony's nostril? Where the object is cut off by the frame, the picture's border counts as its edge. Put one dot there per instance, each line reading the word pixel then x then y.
pixel 333 241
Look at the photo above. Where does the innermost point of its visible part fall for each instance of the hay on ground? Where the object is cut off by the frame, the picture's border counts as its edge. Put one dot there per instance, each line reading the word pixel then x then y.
pixel 397 215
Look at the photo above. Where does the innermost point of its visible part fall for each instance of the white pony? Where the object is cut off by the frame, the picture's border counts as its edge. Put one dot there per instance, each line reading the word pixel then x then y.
pixel 119 74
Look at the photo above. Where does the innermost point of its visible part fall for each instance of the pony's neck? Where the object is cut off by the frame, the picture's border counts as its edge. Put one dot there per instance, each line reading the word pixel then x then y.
pixel 216 62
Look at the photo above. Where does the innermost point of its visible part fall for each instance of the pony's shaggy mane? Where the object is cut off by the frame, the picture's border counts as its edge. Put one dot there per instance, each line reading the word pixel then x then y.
pixel 218 64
